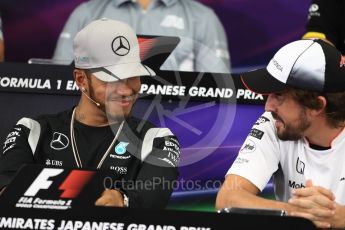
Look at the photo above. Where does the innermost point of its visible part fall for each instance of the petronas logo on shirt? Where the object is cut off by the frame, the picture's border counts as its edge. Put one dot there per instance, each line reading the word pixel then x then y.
pixel 120 148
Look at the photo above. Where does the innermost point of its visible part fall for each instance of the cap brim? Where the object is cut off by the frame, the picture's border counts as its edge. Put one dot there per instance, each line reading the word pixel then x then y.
pixel 123 71
pixel 260 81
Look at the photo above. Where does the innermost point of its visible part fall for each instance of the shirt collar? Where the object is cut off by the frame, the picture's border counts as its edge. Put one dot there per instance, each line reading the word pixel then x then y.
pixel 169 2
pixel 120 2
pixel 166 2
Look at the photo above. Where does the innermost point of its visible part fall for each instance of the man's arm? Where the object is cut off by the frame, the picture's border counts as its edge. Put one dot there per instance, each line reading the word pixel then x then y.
pixel 313 203
pixel 240 192
pixel 212 52
pixel 258 159
pixel 2 190
pixel 152 189
pixel 111 197
pixel 159 170
pixel 318 205
pixel 16 150
pixel 2 45
pixel 153 185
pixel 2 50
pixel 323 21
pixel 76 21
pixel 338 219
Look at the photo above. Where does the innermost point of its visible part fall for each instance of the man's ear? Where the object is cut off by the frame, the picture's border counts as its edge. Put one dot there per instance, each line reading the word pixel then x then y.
pixel 322 102
pixel 80 78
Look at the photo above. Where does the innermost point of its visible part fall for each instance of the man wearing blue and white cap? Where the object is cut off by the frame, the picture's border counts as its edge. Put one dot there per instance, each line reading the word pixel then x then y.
pixel 299 140
pixel 100 132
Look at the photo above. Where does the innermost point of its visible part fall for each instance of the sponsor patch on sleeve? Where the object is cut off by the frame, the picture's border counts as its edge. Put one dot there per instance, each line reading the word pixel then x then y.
pixel 248 147
pixel 11 138
pixel 261 120
pixel 258 134
pixel 168 150
pixel 241 160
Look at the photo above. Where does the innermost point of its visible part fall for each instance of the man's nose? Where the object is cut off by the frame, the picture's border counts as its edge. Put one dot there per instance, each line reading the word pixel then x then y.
pixel 122 87
pixel 271 103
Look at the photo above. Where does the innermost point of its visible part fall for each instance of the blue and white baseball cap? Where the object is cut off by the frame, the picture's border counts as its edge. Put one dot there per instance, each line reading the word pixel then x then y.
pixel 305 64
pixel 110 50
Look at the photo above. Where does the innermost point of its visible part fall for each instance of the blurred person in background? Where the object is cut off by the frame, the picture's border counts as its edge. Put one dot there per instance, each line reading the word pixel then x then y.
pixel 203 46
pixel 2 46
pixel 326 20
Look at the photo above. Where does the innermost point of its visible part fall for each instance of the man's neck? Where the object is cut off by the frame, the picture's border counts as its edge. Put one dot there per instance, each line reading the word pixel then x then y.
pixel 145 3
pixel 88 114
pixel 322 134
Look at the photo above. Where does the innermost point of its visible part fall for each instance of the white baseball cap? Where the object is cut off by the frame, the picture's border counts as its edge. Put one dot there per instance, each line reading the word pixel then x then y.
pixel 110 49
pixel 313 65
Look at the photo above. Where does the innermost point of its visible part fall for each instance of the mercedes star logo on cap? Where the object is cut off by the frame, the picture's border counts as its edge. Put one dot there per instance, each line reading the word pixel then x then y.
pixel 59 141
pixel 120 46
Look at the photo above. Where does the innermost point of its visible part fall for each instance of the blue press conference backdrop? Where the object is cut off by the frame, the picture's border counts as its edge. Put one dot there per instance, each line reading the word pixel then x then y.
pixel 255 30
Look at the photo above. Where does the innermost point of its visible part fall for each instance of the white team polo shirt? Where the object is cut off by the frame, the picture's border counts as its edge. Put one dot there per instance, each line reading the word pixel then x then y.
pixel 291 163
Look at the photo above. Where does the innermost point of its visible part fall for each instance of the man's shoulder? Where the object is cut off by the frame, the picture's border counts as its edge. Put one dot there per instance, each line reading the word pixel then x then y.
pixel 326 4
pixel 45 120
pixel 95 3
pixel 63 116
pixel 265 119
pixel 35 126
pixel 92 5
pixel 144 127
pixel 140 125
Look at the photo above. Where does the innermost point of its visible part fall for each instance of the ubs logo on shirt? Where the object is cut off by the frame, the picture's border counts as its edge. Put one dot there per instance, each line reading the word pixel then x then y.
pixel 50 162
pixel 59 141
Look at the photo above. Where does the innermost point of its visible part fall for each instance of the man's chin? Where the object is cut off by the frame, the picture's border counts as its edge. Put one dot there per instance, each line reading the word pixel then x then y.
pixel 280 133
pixel 114 111
pixel 117 117
pixel 284 136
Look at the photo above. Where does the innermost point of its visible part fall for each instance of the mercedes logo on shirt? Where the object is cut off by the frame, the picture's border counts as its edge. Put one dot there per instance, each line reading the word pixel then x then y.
pixel 59 141
pixel 120 46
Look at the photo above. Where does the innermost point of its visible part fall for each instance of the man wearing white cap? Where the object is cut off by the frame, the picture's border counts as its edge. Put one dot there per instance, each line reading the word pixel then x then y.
pixel 300 139
pixel 100 132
